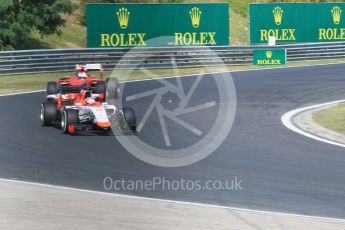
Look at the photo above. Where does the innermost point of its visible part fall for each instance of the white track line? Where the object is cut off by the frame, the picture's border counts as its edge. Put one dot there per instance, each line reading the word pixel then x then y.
pixel 20 93
pixel 232 71
pixel 287 121
pixel 196 74
pixel 171 201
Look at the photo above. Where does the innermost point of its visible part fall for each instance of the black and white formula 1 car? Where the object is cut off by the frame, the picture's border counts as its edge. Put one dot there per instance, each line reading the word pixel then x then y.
pixel 86 113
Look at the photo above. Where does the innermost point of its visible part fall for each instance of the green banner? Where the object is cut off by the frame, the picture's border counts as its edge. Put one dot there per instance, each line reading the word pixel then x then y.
pixel 129 25
pixel 269 57
pixel 297 22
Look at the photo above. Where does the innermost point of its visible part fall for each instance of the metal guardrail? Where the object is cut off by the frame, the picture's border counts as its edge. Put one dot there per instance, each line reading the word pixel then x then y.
pixel 59 60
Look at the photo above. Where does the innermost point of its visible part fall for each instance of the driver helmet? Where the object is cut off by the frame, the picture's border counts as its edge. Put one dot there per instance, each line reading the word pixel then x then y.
pixel 82 75
pixel 90 100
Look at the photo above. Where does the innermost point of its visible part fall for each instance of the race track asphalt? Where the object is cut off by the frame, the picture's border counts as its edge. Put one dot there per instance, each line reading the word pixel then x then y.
pixel 280 170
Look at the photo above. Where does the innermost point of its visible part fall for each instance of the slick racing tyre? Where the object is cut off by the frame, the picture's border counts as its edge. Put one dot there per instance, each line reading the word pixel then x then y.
pixel 69 120
pixel 130 119
pixel 48 113
pixel 52 88
pixel 112 88
pixel 100 87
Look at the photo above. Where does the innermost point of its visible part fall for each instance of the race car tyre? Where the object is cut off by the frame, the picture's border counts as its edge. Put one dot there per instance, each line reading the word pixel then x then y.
pixel 112 88
pixel 48 113
pixel 100 87
pixel 68 121
pixel 130 119
pixel 52 88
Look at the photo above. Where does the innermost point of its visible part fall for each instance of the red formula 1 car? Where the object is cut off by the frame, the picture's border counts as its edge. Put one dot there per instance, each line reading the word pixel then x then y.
pixel 83 81
pixel 85 111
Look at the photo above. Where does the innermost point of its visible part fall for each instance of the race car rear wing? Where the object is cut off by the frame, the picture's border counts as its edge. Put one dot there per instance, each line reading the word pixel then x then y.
pixel 91 67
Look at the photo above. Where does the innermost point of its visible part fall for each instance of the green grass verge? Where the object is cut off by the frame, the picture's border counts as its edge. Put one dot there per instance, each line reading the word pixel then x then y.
pixel 73 35
pixel 332 118
pixel 239 29
pixel 28 82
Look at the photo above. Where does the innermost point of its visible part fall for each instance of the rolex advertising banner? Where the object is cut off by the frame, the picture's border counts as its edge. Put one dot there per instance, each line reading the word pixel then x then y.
pixel 129 25
pixel 297 22
pixel 269 57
